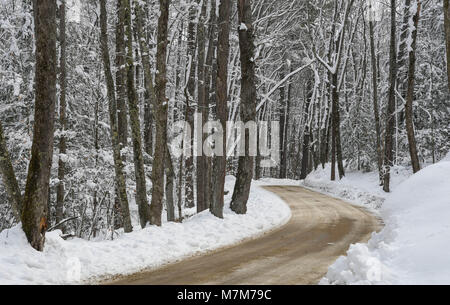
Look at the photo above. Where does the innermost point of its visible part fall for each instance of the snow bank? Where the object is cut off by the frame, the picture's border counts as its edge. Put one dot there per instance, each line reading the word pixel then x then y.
pixel 357 187
pixel 77 260
pixel 414 247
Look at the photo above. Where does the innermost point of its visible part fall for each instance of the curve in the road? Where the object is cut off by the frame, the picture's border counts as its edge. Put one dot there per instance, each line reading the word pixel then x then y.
pixel 320 230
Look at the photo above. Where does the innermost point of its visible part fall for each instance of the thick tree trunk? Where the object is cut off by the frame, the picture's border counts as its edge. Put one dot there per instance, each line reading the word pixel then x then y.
pixel 223 51
pixel 447 36
pixel 248 104
pixel 120 63
pixel 35 202
pixel 202 166
pixel 161 116
pixel 390 109
pixel 62 114
pixel 118 164
pixel 410 94
pixel 135 122
pixel 375 101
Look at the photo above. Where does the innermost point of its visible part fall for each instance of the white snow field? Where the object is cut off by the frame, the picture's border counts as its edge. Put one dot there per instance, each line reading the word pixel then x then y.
pixel 413 247
pixel 80 261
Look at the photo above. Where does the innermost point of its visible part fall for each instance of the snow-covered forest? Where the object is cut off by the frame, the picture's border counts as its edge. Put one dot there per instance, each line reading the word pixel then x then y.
pixel 101 136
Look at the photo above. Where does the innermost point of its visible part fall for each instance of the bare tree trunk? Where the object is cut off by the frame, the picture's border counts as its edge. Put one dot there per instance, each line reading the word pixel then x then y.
pixel 248 104
pixel 202 166
pixel 375 101
pixel 402 69
pixel 410 94
pixel 258 157
pixel 170 177
pixel 62 114
pixel 390 110
pixel 210 76
pixel 333 132
pixel 35 202
pixel 223 51
pixel 189 93
pixel 284 156
pixel 306 134
pixel 9 178
pixel 118 164
pixel 135 122
pixel 447 36
pixel 283 123
pixel 120 63
pixel 161 115
pixel 150 98
pixel 337 127
pixel 148 119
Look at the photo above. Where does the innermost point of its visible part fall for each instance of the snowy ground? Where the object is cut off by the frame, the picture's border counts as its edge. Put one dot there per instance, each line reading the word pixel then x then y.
pixel 356 187
pixel 77 260
pixel 413 247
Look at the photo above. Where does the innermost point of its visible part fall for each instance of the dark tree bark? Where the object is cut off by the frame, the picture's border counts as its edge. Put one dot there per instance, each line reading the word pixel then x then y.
pixel 390 109
pixel 307 133
pixel 160 116
pixel 336 148
pixel 283 123
pixel 336 121
pixel 333 145
pixel 210 76
pixel 112 107
pixel 248 104
pixel 135 122
pixel 170 177
pixel 202 166
pixel 447 36
pixel 325 142
pixel 284 156
pixel 402 67
pixel 148 120
pixel 9 178
pixel 121 73
pixel 410 94
pixel 150 97
pixel 62 114
pixel 223 50
pixel 189 94
pixel 375 101
pixel 35 202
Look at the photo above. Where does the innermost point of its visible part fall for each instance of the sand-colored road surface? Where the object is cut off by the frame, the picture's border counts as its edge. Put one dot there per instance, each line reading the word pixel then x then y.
pixel 320 230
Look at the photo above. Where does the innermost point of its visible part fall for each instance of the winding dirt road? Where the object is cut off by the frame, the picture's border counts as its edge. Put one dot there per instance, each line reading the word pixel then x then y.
pixel 320 230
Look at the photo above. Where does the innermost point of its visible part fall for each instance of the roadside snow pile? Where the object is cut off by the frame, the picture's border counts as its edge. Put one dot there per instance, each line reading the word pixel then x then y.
pixel 77 260
pixel 414 247
pixel 357 187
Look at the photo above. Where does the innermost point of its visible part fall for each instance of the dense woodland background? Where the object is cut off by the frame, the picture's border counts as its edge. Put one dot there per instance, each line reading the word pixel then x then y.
pixel 364 91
